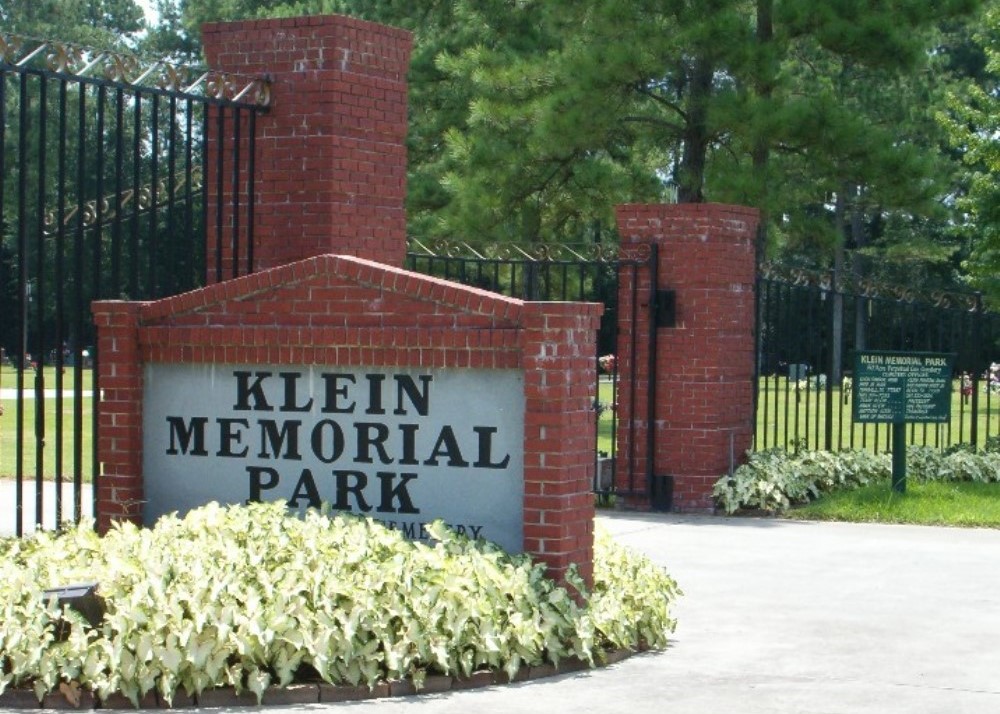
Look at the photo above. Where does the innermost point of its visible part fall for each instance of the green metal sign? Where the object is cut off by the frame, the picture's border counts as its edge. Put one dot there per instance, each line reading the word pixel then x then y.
pixel 901 387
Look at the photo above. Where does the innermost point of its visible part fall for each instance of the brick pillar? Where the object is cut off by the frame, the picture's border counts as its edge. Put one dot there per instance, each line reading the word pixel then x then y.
pixel 560 430
pixel 119 446
pixel 705 364
pixel 331 157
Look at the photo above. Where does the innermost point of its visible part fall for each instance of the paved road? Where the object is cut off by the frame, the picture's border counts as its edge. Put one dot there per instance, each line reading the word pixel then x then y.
pixel 8 505
pixel 787 617
pixel 29 393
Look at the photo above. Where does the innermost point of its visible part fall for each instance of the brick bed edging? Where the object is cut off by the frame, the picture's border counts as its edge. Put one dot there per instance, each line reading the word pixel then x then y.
pixel 308 693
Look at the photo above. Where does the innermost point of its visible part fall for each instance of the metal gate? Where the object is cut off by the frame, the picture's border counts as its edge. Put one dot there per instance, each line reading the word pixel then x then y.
pixel 104 182
pixel 590 273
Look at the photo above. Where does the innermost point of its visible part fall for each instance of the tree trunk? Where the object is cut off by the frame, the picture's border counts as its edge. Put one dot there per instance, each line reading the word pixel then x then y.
pixel 691 181
pixel 765 90
pixel 837 354
pixel 858 270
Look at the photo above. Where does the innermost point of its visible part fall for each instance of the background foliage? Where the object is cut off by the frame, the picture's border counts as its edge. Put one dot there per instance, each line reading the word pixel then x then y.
pixel 865 132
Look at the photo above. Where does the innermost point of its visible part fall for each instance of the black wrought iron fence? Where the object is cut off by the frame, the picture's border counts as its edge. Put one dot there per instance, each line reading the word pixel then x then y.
pixel 808 329
pixel 105 177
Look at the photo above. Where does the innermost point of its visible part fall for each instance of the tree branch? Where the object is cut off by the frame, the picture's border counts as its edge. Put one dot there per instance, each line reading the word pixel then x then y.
pixel 662 101
pixel 675 128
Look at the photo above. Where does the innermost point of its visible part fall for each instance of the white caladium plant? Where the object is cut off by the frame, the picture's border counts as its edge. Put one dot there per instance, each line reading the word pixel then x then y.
pixel 252 597
pixel 775 479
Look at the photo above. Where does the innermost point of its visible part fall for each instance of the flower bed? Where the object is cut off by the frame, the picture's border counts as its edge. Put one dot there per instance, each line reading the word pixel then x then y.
pixel 257 600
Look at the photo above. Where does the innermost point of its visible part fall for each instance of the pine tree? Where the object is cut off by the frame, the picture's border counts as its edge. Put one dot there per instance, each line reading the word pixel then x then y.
pixel 530 119
pixel 971 118
pixel 703 94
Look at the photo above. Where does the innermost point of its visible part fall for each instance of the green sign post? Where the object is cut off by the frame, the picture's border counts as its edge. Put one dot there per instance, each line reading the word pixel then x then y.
pixel 899 388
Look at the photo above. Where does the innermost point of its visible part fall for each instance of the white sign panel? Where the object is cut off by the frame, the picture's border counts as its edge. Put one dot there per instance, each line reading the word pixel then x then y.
pixel 403 446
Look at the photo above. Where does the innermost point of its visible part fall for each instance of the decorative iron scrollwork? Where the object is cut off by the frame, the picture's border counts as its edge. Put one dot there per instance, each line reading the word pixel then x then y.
pixel 10 47
pixel 133 71
pixel 63 58
pixel 955 301
pixel 169 78
pixel 531 252
pixel 639 252
pixel 866 287
pixel 118 67
pixel 111 204
pixel 220 86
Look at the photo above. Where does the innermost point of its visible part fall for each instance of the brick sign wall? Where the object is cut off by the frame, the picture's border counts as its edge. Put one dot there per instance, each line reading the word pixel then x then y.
pixel 204 392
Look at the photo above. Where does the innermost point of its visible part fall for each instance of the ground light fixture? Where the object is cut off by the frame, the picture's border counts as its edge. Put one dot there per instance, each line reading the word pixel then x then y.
pixel 81 597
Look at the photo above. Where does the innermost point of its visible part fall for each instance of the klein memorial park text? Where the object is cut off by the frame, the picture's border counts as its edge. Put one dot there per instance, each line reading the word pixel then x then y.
pixel 893 387
pixel 403 446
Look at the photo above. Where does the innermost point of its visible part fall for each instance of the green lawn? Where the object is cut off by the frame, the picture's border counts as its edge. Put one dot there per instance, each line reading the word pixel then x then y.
pixel 934 503
pixel 606 422
pixel 52 456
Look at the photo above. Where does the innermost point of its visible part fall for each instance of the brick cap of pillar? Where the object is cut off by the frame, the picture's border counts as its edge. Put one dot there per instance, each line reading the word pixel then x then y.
pixel 686 209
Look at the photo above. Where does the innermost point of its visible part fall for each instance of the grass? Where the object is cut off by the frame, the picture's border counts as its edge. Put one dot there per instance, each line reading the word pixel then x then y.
pixel 606 422
pixel 9 427
pixel 937 503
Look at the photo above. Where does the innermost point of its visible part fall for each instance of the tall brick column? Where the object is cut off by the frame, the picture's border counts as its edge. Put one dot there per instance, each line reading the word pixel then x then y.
pixel 331 157
pixel 705 363
pixel 559 347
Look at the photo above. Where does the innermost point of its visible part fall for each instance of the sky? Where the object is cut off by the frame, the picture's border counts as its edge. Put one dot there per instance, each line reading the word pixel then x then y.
pixel 148 8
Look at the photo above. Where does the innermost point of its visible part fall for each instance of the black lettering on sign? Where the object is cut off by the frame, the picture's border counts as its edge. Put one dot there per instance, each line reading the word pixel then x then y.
pixel 305 489
pixel 245 390
pixel 335 387
pixel 419 398
pixel 291 404
pixel 277 438
pixel 257 482
pixel 372 434
pixel 183 435
pixel 327 441
pixel 485 460
pixel 346 489
pixel 446 446
pixel 396 492
pixel 230 435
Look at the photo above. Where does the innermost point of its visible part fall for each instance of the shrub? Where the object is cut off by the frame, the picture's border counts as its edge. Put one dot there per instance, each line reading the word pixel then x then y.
pixel 250 597
pixel 774 480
